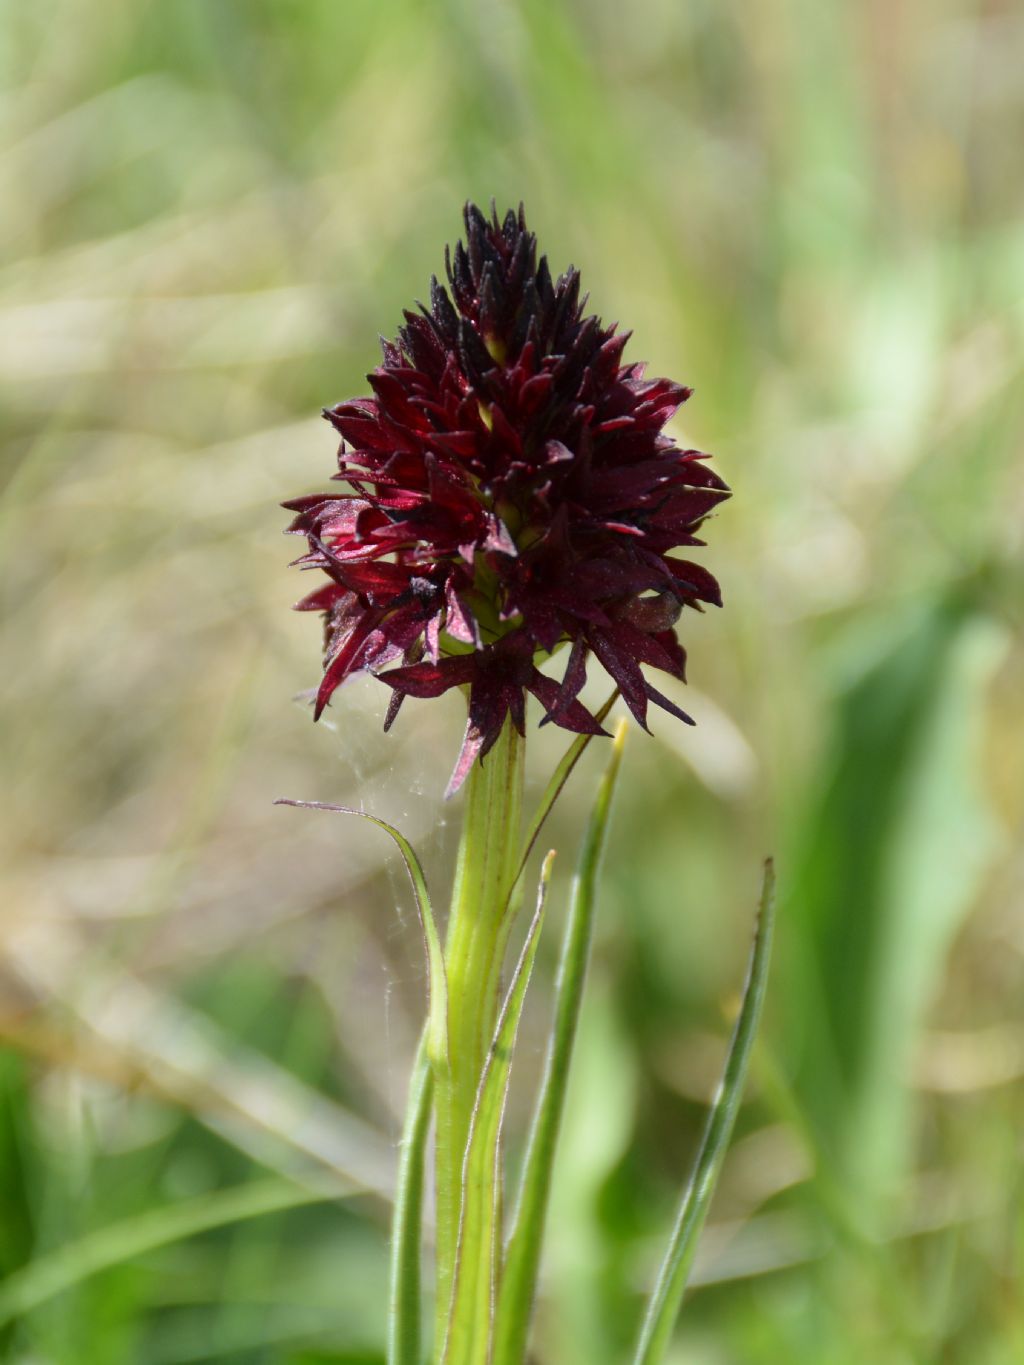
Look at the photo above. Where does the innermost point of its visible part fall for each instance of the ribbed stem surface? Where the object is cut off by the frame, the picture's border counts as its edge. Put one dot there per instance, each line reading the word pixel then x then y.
pixel 478 930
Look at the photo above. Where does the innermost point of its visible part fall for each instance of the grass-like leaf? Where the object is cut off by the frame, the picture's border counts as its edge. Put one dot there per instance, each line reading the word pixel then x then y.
pixel 404 1289
pixel 59 1270
pixel 555 786
pixel 522 1258
pixel 479 1252
pixel 437 1009
pixel 665 1301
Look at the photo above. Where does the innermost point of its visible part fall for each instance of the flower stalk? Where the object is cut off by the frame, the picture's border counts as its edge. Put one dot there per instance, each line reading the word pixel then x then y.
pixel 483 907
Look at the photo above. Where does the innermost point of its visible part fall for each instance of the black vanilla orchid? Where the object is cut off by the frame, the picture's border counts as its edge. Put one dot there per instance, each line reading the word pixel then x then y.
pixel 510 491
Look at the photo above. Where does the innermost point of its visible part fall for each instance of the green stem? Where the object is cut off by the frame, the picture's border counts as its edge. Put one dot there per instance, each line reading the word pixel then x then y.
pixel 478 928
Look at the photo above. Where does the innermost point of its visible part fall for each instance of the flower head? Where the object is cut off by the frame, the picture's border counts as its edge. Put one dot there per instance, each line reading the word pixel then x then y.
pixel 510 491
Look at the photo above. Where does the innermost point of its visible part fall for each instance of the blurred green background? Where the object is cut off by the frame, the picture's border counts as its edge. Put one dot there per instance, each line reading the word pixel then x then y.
pixel 811 212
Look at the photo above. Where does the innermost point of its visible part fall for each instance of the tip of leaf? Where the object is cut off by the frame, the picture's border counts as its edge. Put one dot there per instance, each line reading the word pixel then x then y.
pixel 546 866
pixel 618 743
pixel 767 887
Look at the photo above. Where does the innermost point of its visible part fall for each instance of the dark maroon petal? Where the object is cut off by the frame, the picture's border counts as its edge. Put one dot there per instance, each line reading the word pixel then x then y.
pixel 344 659
pixel 534 393
pixel 670 644
pixel 698 471
pixel 474 356
pixel 304 504
pixel 422 344
pixel 681 511
pixel 571 715
pixel 321 600
pixel 394 706
pixel 516 700
pixel 412 656
pixel 399 631
pixel 431 680
pixel 445 317
pixel 626 673
pixel 572 683
pixel 394 400
pixel 695 580
pixel 631 642
pixel 488 707
pixel 457 443
pixel 545 624
pixel 661 700
pixel 622 487
pixel 373 578
pixel 360 427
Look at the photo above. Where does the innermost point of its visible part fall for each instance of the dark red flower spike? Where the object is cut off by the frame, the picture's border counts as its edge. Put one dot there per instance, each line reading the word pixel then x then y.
pixel 509 491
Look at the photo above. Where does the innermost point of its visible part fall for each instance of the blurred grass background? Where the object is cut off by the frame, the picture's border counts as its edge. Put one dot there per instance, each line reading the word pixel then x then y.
pixel 812 213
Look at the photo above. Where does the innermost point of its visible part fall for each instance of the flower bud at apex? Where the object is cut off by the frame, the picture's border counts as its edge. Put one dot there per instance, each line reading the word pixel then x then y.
pixel 508 489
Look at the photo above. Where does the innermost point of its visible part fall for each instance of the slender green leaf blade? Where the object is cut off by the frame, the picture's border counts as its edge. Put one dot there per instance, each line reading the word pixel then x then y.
pixel 59 1270
pixel 437 1009
pixel 468 1340
pixel 665 1301
pixel 559 778
pixel 898 835
pixel 404 1291
pixel 522 1259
